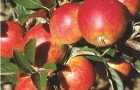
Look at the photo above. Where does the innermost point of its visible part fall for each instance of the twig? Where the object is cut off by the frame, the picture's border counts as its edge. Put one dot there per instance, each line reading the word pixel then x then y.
pixel 133 44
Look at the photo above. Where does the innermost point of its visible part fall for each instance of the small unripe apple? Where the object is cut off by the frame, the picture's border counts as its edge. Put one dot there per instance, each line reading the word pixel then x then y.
pixel 79 74
pixel 64 24
pixel 102 22
pixel 47 49
pixel 25 83
pixel 11 38
pixel 122 67
pixel 133 6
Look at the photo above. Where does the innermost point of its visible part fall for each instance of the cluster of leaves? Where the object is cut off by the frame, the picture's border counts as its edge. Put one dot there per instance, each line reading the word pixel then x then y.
pixel 24 61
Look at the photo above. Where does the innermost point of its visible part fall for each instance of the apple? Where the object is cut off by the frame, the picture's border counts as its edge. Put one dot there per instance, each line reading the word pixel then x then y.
pixel 11 38
pixel 64 24
pixel 102 22
pixel 79 74
pixel 122 67
pixel 133 6
pixel 25 83
pixel 47 49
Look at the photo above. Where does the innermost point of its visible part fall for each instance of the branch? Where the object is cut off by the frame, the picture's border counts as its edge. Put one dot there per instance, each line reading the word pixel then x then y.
pixel 133 44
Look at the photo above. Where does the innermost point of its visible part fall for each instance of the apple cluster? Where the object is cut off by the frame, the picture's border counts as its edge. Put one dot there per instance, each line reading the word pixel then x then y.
pixel 100 22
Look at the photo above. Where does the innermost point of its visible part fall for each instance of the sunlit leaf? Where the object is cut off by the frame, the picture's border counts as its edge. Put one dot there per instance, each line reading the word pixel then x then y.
pixel 50 65
pixel 9 79
pixel 9 68
pixel 29 50
pixel 29 3
pixel 96 58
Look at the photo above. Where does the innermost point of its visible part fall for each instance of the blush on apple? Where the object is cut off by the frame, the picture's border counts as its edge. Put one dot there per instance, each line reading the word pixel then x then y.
pixel 11 38
pixel 25 83
pixel 79 74
pixel 133 6
pixel 64 24
pixel 123 67
pixel 102 22
pixel 47 49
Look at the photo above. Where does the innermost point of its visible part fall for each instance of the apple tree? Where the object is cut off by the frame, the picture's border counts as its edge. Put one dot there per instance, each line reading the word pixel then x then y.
pixel 69 44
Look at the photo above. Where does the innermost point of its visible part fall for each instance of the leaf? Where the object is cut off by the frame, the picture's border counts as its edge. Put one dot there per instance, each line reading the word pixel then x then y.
pixel 50 65
pixel 22 19
pixel 9 78
pixel 86 51
pixel 96 58
pixel 111 52
pixel 4 60
pixel 39 80
pixel 29 50
pixel 136 65
pixel 114 79
pixel 9 68
pixel 32 4
pixel 126 57
pixel 22 62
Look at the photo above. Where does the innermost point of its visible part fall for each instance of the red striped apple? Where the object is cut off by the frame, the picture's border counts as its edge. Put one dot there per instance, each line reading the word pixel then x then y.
pixel 64 24
pixel 11 38
pixel 47 49
pixel 79 74
pixel 102 22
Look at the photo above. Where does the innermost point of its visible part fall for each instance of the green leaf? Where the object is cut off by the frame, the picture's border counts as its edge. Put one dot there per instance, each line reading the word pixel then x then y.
pixel 9 68
pixel 29 50
pixel 86 51
pixel 111 52
pixel 50 65
pixel 39 80
pixel 32 4
pixel 126 57
pixel 114 79
pixel 136 65
pixel 4 60
pixel 22 62
pixel 96 58
pixel 9 78
pixel 23 18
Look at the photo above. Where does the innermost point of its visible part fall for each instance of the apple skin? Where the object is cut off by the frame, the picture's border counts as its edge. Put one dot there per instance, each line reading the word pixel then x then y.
pixel 102 22
pixel 133 6
pixel 79 74
pixel 47 49
pixel 25 83
pixel 11 38
pixel 122 67
pixel 64 24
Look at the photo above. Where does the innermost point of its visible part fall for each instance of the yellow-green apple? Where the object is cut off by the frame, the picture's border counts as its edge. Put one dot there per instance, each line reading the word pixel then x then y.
pixel 133 6
pixel 11 38
pixel 47 49
pixel 25 83
pixel 102 22
pixel 79 74
pixel 64 24
pixel 122 67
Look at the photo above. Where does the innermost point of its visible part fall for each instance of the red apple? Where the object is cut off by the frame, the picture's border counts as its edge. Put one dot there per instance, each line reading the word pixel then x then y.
pixel 47 49
pixel 102 22
pixel 123 67
pixel 64 24
pixel 79 74
pixel 133 6
pixel 11 38
pixel 25 83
